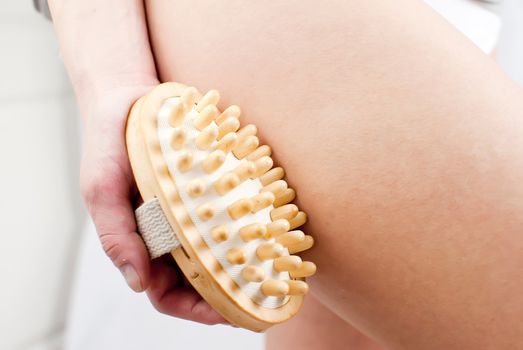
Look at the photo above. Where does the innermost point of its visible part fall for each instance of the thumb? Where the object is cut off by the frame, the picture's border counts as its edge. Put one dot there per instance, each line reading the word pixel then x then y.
pixel 108 202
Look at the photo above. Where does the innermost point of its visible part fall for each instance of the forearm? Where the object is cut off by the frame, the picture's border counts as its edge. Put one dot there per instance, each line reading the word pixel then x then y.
pixel 404 143
pixel 104 45
pixel 107 54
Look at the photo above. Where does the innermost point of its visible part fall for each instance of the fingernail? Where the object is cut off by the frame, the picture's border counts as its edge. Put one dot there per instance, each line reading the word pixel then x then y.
pixel 131 277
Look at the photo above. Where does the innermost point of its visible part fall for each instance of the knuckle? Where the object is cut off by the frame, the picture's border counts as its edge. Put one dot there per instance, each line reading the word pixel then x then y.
pixel 161 305
pixel 91 187
pixel 158 307
pixel 111 246
pixel 94 187
pixel 156 301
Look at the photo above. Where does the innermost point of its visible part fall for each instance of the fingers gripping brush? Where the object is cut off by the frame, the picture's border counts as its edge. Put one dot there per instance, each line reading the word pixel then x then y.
pixel 214 201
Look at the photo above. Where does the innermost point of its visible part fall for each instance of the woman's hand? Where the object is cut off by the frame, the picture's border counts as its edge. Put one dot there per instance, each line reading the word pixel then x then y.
pixel 105 48
pixel 111 195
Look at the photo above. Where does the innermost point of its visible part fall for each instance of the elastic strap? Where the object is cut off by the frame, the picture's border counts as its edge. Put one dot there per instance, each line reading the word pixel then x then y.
pixel 155 229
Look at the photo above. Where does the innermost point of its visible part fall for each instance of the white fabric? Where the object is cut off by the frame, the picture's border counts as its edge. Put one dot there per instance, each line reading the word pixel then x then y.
pixel 481 26
pixel 155 230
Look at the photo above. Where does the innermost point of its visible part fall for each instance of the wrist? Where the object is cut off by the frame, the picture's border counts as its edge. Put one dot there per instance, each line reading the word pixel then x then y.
pixel 112 96
pixel 97 51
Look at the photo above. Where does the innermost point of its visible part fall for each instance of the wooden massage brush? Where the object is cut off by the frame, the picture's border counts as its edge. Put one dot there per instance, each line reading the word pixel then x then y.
pixel 214 201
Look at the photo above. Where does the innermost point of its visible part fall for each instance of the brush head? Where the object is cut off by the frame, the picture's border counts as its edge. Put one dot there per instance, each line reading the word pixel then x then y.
pixel 229 208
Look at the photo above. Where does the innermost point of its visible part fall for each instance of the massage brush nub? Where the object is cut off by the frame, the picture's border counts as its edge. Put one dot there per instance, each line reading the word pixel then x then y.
pixel 214 200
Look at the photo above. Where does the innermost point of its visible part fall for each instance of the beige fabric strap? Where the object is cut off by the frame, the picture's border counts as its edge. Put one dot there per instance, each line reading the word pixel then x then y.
pixel 155 229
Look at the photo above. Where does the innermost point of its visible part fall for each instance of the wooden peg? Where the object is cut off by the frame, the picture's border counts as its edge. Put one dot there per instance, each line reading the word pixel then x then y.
pixel 226 183
pixel 185 160
pixel 307 243
pixel 269 250
pixel 277 188
pixel 178 138
pixel 261 151
pixel 287 263
pixel 297 287
pixel 262 200
pixel 247 130
pixel 227 143
pixel 211 98
pixel 252 231
pixel 298 220
pixel 205 211
pixel 277 228
pixel 263 165
pixel 196 188
pixel 245 170
pixel 230 124
pixel 205 117
pixel 177 114
pixel 205 139
pixel 220 233
pixel 287 212
pixel 285 197
pixel 236 256
pixel 306 269
pixel 275 288
pixel 253 273
pixel 245 146
pixel 290 238
pixel 272 175
pixel 232 111
pixel 213 161
pixel 240 208
pixel 189 96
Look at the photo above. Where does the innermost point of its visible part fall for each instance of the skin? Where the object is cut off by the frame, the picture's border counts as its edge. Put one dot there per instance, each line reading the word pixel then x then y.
pixel 317 328
pixel 404 143
pixel 108 74
pixel 402 139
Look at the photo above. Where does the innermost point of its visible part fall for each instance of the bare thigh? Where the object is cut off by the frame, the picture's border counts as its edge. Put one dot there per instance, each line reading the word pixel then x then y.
pixel 317 328
pixel 404 145
pixel 283 66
